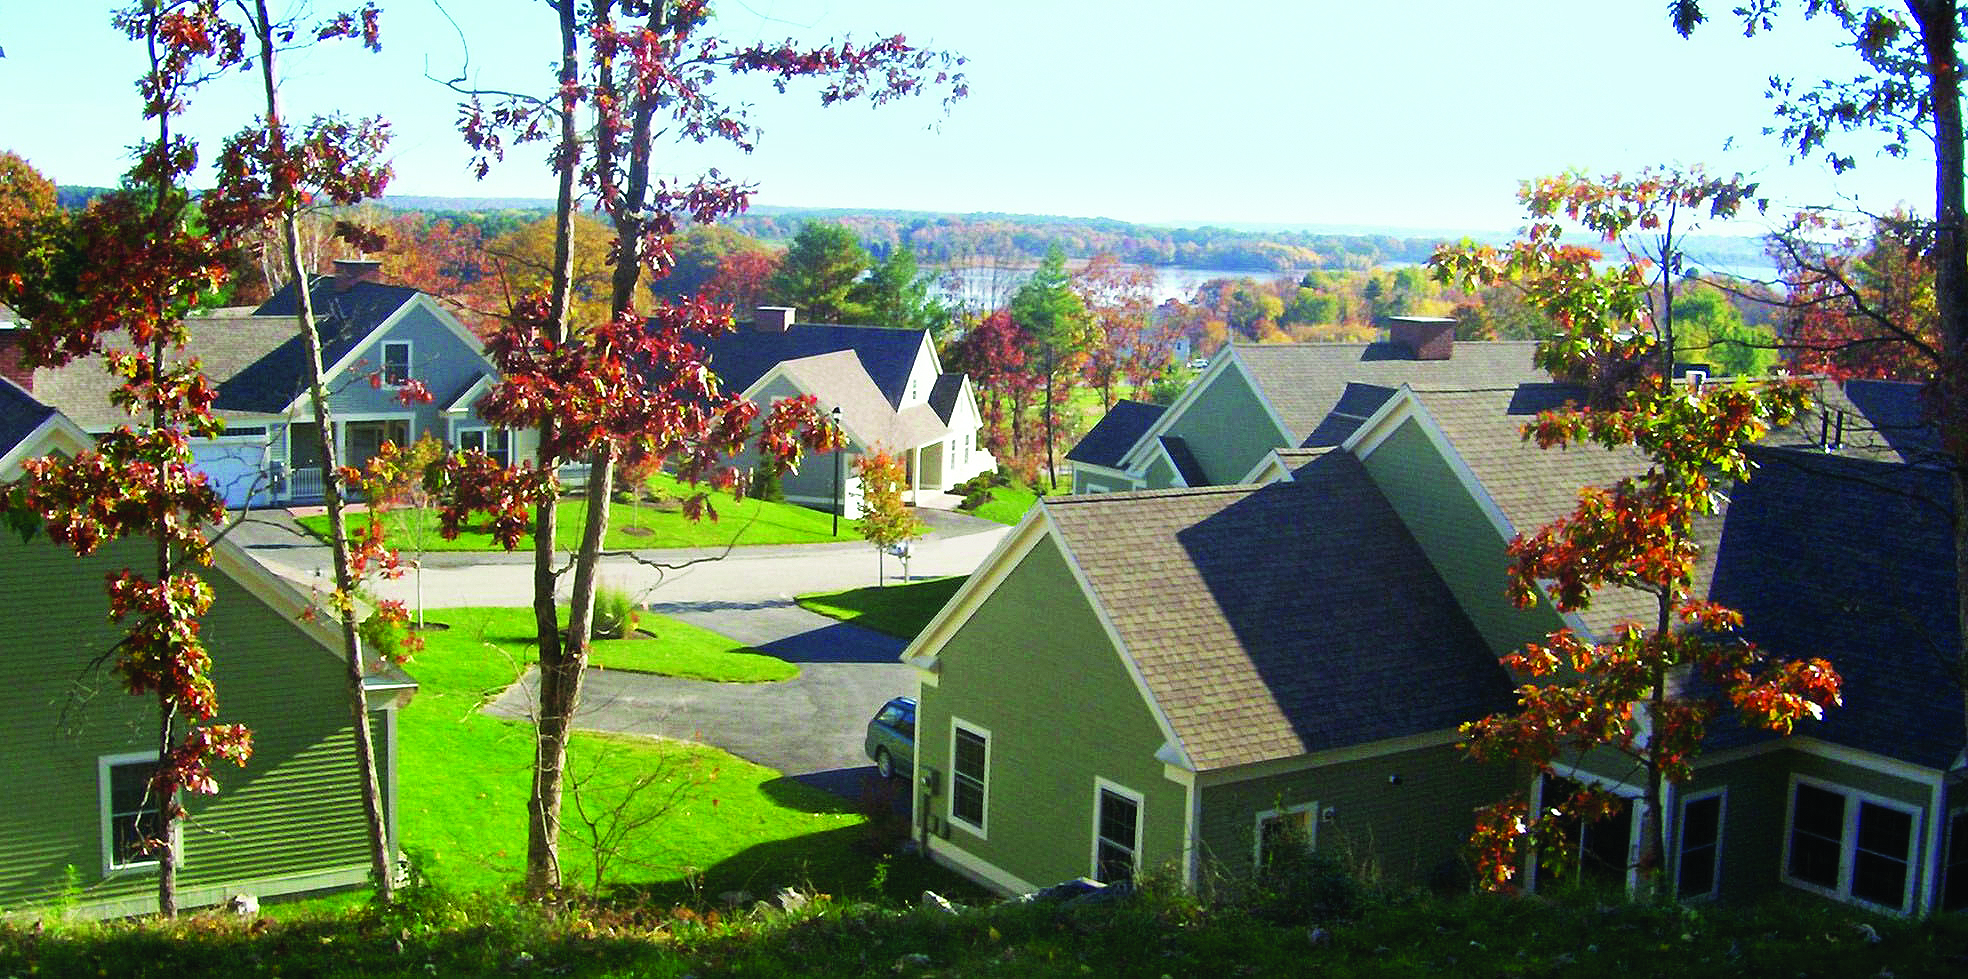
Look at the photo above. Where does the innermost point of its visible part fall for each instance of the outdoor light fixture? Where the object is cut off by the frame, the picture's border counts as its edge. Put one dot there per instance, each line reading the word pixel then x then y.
pixel 840 501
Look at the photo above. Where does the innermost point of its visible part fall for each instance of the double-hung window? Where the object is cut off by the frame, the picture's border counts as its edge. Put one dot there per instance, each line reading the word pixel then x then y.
pixel 396 363
pixel 129 814
pixel 1280 832
pixel 1698 873
pixel 494 442
pixel 970 762
pixel 1850 846
pixel 1116 832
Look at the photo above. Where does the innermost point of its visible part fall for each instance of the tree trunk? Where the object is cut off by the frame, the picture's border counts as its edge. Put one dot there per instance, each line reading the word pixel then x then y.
pixel 167 805
pixel 1939 21
pixel 550 745
pixel 380 862
pixel 1052 471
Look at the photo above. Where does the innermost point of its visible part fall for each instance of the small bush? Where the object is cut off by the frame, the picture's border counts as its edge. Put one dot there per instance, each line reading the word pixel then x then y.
pixel 1301 886
pixel 615 613
pixel 766 485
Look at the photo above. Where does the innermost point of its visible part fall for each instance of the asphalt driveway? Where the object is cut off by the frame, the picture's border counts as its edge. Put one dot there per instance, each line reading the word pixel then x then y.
pixel 810 727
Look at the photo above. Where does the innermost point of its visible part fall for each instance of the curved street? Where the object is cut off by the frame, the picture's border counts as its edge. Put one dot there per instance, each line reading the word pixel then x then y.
pixel 809 727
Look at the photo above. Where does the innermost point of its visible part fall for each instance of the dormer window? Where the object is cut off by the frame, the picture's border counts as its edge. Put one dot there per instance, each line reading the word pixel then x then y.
pixel 396 364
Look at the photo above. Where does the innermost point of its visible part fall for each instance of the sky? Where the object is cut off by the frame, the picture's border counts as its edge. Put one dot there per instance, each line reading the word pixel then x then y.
pixel 1408 114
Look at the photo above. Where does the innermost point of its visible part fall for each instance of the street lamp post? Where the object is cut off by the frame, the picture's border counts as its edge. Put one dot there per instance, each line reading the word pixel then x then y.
pixel 840 501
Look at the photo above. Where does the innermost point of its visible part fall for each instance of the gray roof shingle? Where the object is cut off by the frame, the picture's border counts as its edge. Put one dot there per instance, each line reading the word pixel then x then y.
pixel 1305 381
pixel 1269 622
pixel 743 356
pixel 1115 433
pixel 225 346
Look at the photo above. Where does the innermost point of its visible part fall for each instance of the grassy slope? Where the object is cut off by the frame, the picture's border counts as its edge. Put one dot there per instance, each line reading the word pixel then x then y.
pixel 752 522
pixel 463 783
pixel 898 610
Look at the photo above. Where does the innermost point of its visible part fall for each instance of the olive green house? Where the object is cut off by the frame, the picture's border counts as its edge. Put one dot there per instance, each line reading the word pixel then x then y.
pixel 1157 680
pixel 1163 681
pixel 1257 397
pixel 79 750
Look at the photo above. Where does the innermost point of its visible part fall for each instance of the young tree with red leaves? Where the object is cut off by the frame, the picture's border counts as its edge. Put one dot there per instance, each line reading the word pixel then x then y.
pixel 992 352
pixel 631 74
pixel 133 265
pixel 1622 692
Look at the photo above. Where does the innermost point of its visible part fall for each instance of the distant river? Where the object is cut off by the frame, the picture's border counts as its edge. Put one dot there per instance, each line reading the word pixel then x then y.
pixel 987 287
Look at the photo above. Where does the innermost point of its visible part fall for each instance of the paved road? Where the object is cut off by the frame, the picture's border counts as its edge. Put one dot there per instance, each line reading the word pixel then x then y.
pixel 810 727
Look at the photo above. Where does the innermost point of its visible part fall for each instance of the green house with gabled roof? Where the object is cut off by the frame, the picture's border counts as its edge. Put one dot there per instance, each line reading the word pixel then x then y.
pixel 79 750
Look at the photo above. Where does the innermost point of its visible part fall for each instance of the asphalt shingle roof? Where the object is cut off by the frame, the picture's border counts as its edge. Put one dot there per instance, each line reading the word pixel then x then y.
pixel 343 320
pixel 1892 412
pixel 1184 460
pixel 742 357
pixel 837 379
pixel 20 415
pixel 1879 605
pixel 1115 433
pixel 943 397
pixel 1305 381
pixel 225 346
pixel 1272 621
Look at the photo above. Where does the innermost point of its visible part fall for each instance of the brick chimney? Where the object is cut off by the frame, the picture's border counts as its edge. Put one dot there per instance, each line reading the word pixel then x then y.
pixel 11 367
pixel 773 319
pixel 349 271
pixel 1426 337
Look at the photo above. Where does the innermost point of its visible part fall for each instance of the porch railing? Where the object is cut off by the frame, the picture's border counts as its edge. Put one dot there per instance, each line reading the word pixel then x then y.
pixel 304 484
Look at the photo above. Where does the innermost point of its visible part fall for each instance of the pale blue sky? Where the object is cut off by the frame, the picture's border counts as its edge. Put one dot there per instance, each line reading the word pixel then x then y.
pixel 1407 113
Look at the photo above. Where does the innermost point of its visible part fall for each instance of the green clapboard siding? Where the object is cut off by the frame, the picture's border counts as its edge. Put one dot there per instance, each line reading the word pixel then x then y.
pixel 1159 474
pixel 1457 536
pixel 1227 429
pixel 1061 710
pixel 1412 831
pixel 292 812
pixel 1100 482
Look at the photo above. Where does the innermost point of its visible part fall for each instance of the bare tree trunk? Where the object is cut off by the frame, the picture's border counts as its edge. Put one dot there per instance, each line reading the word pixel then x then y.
pixel 1939 21
pixel 560 664
pixel 381 864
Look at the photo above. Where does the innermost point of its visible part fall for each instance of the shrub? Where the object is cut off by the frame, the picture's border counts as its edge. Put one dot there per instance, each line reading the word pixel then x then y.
pixel 615 613
pixel 1300 886
pixel 766 485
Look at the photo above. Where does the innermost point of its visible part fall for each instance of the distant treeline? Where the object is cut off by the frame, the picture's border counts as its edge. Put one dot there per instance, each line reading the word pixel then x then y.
pixel 1021 240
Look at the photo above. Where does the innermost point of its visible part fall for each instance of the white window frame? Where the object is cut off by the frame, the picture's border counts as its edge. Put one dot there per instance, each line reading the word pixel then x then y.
pixel 105 817
pixel 1310 813
pixel 486 432
pixel 409 362
pixel 1681 826
pixel 1848 843
pixel 1101 785
pixel 983 784
pixel 1633 796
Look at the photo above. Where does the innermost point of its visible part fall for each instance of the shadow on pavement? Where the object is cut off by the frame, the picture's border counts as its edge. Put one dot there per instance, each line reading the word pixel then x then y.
pixel 675 608
pixel 837 643
pixel 855 786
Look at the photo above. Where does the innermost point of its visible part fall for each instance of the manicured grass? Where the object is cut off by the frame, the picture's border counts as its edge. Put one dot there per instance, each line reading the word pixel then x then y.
pixel 1009 503
pixel 898 610
pixel 681 649
pixel 463 783
pixel 646 526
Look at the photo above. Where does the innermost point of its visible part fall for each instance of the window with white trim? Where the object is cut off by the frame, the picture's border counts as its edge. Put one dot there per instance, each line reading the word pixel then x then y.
pixel 1849 845
pixel 396 363
pixel 1280 831
pixel 129 814
pixel 1954 886
pixel 1116 832
pixel 1698 869
pixel 970 765
pixel 494 442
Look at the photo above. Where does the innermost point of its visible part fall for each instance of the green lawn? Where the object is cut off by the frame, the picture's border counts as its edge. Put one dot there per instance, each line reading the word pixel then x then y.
pixel 645 526
pixel 682 649
pixel 1009 503
pixel 898 610
pixel 463 781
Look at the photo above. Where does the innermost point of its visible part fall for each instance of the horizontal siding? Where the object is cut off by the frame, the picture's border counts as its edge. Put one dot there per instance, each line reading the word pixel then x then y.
pixel 1227 428
pixel 293 810
pixel 1458 537
pixel 1410 830
pixel 1061 710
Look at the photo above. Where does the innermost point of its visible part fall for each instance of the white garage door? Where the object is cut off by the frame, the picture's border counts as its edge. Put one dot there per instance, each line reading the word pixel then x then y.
pixel 235 467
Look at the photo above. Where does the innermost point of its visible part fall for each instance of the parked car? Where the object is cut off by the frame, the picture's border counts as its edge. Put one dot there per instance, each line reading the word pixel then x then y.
pixel 891 743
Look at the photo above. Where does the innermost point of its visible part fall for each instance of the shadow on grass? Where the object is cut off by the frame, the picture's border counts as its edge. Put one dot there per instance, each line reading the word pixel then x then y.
pixel 826 793
pixel 840 862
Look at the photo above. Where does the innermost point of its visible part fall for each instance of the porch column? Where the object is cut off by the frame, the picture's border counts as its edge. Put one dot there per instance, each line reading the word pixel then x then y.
pixel 915 475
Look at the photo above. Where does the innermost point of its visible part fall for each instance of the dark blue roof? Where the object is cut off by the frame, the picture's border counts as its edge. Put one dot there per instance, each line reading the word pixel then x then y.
pixel 742 357
pixel 20 415
pixel 1852 560
pixel 343 319
pixel 1116 432
pixel 1898 412
pixel 943 397
pixel 1185 461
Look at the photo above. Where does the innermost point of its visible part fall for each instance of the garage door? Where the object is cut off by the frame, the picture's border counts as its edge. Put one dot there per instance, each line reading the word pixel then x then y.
pixel 235 467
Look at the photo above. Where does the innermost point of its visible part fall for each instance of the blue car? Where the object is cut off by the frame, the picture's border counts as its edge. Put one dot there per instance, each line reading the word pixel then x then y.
pixel 891 743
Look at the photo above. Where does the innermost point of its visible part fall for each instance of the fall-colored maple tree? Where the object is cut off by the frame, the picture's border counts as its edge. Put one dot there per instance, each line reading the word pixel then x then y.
pixel 1628 691
pixel 636 384
pixel 885 519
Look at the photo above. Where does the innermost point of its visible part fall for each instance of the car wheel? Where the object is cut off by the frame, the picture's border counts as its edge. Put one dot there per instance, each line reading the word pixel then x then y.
pixel 884 764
